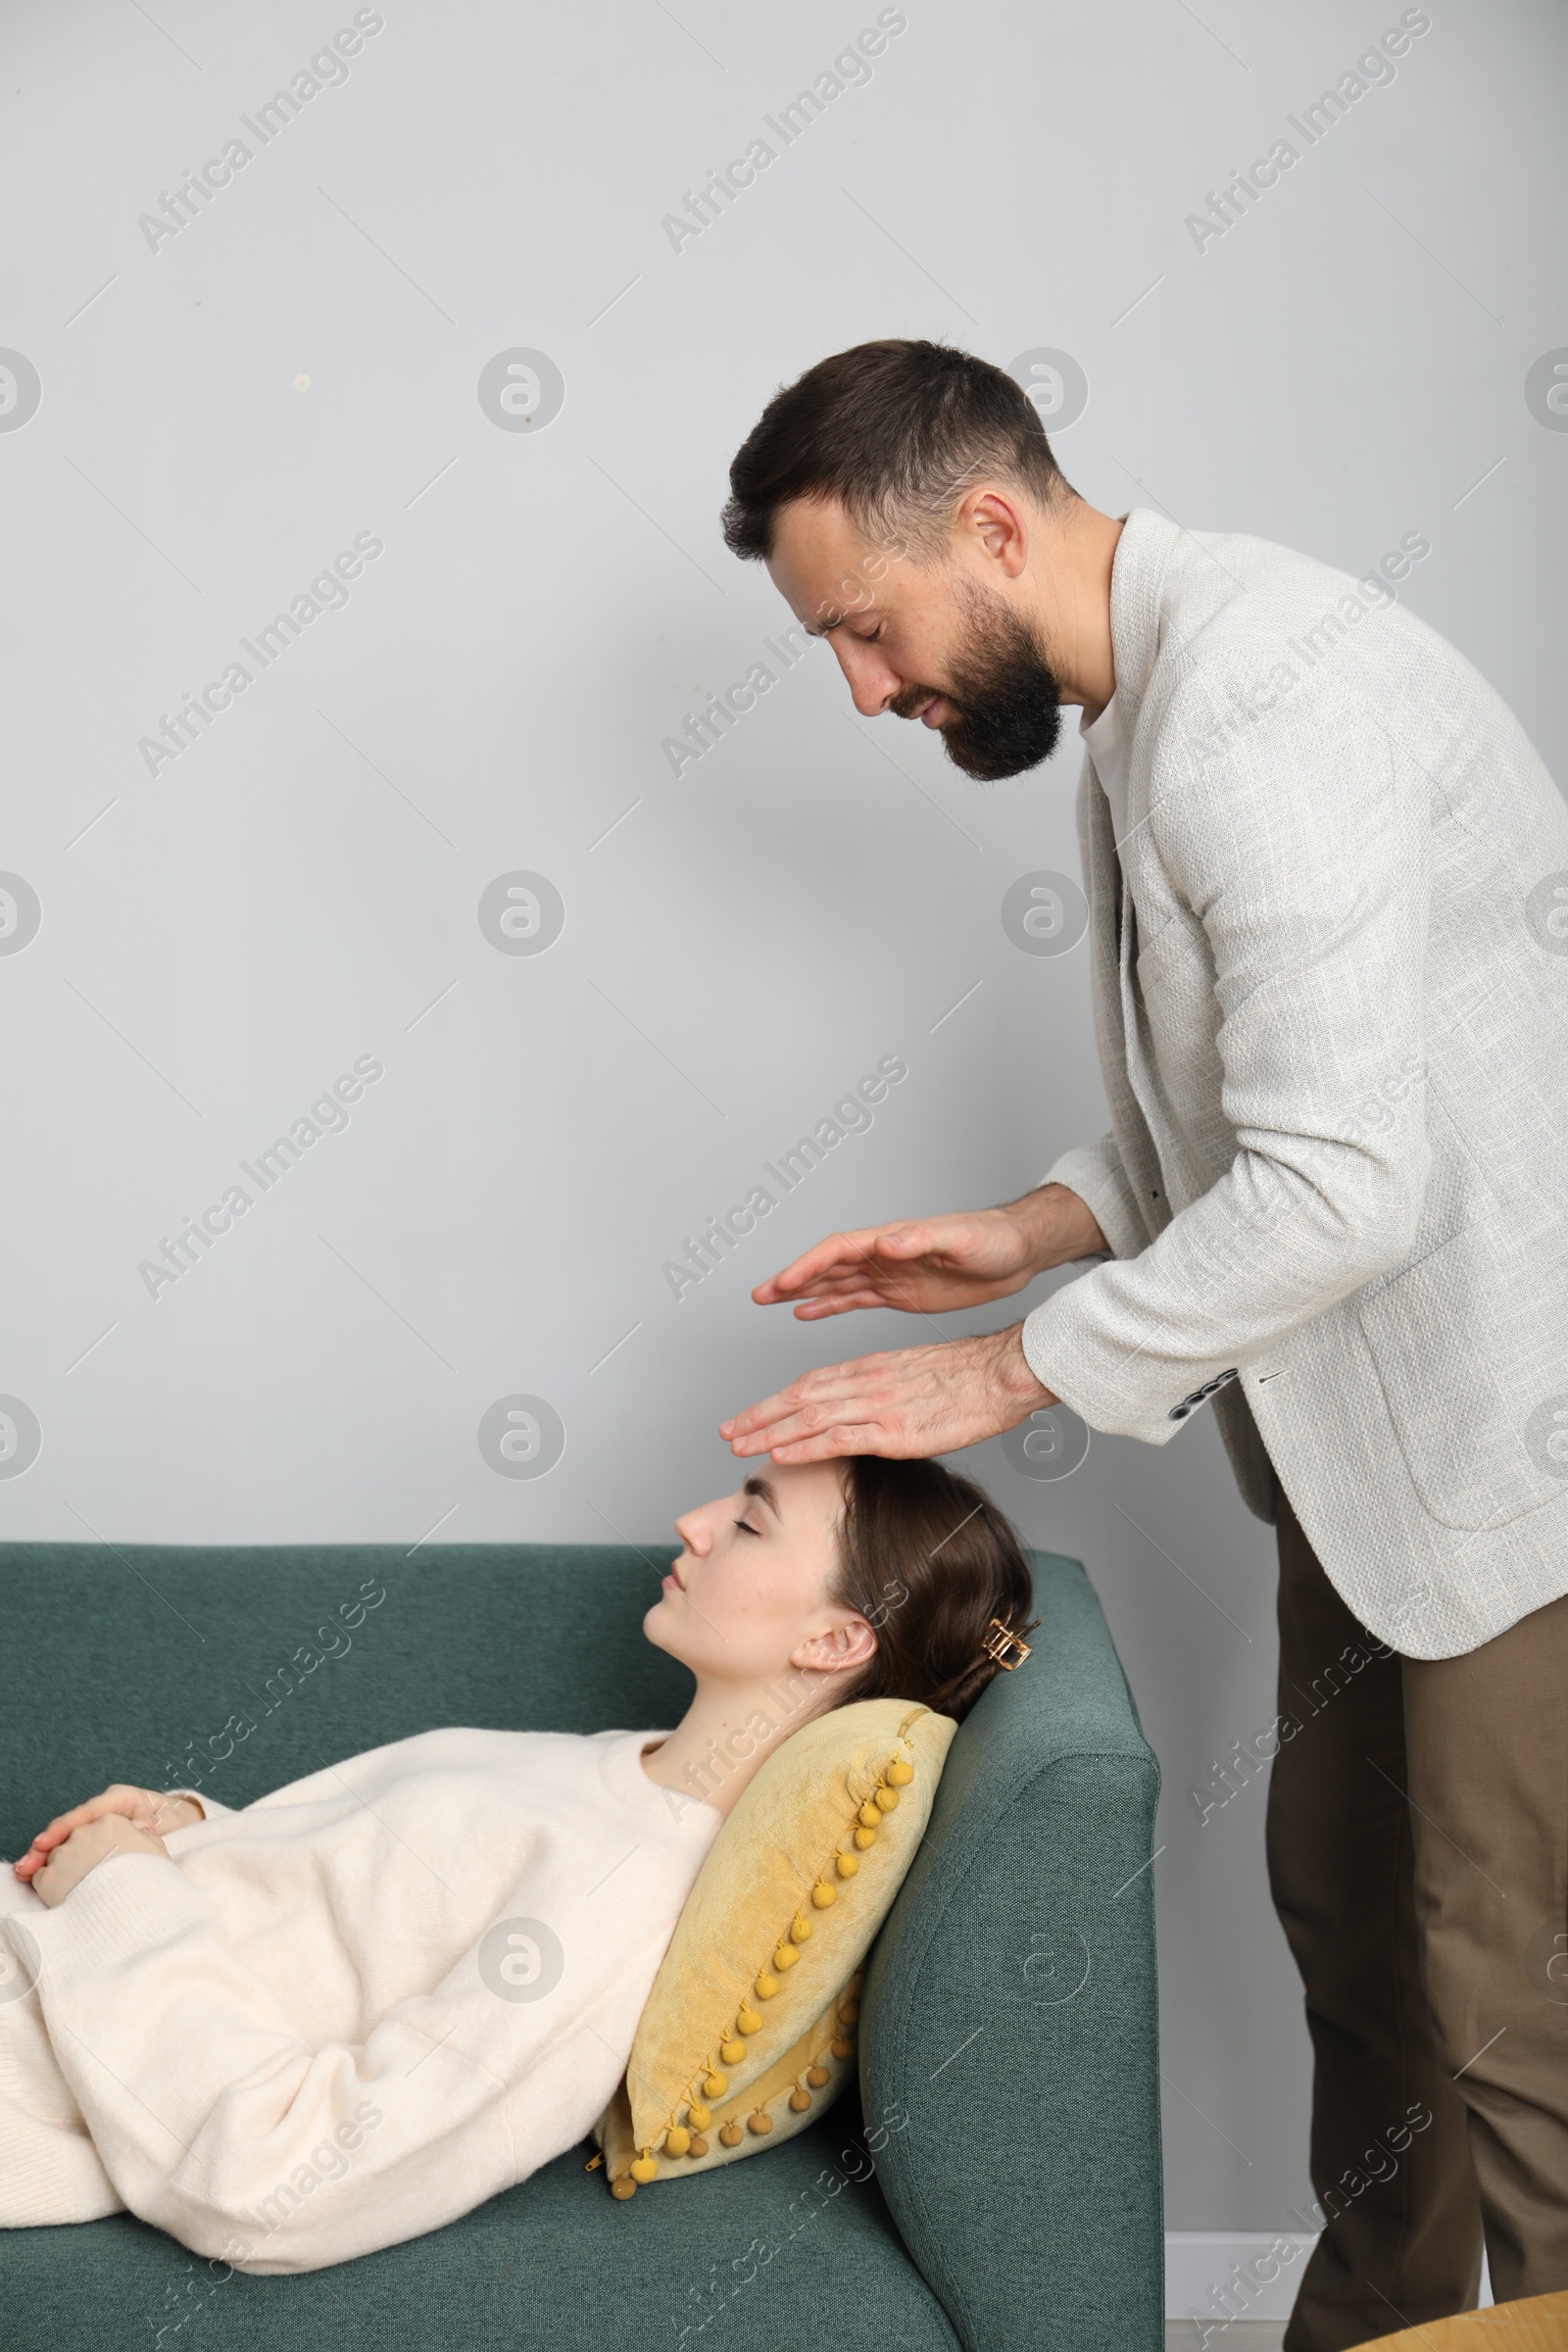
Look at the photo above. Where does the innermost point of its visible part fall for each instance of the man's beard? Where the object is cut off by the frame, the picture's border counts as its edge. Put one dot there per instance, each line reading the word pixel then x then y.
pixel 1008 704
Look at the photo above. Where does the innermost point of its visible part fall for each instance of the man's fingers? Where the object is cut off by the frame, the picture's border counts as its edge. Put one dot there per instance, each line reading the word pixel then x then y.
pixel 846 1437
pixel 805 1269
pixel 840 1258
pixel 756 1416
pixel 836 1396
pixel 854 1409
pixel 812 1394
pixel 815 1435
pixel 811 1310
pixel 773 1423
pixel 903 1401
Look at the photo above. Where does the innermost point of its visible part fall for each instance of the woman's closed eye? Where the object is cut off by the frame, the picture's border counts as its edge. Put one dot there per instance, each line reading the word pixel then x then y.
pixel 747 1526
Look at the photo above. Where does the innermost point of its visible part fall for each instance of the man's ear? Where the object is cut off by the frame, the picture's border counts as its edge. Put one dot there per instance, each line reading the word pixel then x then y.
pixel 1000 525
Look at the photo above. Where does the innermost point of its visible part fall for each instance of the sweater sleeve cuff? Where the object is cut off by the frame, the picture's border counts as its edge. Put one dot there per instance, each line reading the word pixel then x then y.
pixel 211 1810
pixel 125 1903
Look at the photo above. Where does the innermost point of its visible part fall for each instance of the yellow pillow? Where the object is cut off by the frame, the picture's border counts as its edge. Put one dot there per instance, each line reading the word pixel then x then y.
pixel 748 2030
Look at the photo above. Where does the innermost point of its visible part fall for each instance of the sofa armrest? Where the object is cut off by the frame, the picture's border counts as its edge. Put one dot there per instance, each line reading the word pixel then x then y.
pixel 1009 2033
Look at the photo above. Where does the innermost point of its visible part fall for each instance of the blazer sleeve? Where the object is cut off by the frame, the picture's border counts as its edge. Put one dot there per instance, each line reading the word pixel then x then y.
pixel 1301 845
pixel 216 2123
pixel 1094 1172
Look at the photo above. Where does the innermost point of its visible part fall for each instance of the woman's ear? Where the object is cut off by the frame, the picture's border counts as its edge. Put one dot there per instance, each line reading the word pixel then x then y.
pixel 841 1647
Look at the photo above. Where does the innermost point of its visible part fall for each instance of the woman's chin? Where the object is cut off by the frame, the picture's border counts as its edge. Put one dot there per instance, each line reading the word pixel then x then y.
pixel 656 1627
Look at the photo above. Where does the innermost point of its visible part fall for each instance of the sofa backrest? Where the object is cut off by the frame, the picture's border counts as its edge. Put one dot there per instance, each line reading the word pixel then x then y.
pixel 146 1662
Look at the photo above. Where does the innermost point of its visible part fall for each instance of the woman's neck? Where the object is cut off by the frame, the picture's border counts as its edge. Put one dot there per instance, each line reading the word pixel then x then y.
pixel 729 1730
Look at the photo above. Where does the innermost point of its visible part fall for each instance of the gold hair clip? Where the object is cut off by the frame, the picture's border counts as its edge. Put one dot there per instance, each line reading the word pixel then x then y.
pixel 998 1638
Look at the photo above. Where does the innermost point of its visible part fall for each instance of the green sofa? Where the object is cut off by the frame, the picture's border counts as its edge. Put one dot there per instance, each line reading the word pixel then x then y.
pixel 996 2183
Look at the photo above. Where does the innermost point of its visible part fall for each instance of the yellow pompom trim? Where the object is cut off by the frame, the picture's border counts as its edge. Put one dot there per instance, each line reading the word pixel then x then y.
pixel 679 2140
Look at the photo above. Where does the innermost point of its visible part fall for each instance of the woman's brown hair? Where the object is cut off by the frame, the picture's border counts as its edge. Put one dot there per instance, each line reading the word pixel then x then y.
pixel 928 1561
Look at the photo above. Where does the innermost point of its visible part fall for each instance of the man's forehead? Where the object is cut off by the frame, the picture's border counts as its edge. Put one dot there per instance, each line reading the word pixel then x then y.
pixel 824 565
pixel 806 526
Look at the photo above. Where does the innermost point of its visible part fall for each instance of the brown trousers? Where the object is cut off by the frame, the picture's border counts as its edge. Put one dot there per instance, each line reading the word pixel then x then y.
pixel 1418 1857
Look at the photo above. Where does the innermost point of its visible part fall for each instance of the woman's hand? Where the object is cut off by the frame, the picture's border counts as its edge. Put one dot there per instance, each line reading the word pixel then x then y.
pixel 146 1809
pixel 84 1847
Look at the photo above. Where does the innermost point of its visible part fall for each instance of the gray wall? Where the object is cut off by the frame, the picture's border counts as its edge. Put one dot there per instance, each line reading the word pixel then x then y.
pixel 225 408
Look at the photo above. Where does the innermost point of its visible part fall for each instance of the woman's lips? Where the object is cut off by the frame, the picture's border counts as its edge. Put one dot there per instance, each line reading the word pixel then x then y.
pixel 672 1578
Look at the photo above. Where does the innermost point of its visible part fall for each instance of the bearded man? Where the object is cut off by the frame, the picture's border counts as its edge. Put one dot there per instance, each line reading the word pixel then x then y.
pixel 1328 889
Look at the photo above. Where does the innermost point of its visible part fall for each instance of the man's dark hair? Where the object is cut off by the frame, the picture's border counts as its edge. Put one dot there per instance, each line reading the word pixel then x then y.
pixel 897 431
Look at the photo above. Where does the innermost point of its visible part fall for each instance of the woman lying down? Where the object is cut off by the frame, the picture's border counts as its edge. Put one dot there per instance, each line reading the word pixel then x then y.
pixel 216 2014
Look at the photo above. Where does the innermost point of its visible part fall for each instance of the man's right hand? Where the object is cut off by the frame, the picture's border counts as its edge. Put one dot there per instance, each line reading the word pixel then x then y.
pixel 932 1264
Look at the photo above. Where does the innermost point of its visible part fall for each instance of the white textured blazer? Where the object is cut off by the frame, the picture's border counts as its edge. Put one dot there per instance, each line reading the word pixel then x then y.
pixel 1330 965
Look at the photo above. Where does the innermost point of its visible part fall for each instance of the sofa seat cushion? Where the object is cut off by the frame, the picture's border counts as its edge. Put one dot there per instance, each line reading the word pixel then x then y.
pixel 792 2250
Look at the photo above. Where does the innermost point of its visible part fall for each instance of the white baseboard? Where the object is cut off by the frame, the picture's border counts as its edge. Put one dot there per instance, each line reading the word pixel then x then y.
pixel 1213 2275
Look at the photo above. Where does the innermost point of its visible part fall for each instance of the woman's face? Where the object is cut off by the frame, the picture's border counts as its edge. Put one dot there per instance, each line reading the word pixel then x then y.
pixel 746 1599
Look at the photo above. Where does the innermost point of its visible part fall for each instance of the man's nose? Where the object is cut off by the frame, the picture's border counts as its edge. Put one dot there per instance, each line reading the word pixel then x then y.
pixel 872 684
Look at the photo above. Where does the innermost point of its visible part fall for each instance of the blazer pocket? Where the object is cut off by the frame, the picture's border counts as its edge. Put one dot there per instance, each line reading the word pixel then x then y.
pixel 1466 1345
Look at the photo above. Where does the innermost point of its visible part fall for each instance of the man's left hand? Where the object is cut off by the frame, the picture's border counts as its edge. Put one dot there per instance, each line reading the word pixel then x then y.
pixel 908 1402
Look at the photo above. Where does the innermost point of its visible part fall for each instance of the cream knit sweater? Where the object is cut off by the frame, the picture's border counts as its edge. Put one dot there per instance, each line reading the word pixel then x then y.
pixel 348 2012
